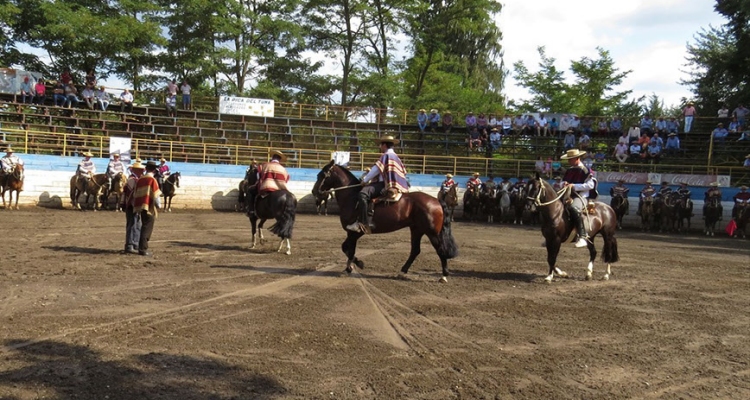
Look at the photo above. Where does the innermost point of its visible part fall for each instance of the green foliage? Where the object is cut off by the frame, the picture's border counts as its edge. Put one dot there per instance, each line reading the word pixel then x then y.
pixel 710 60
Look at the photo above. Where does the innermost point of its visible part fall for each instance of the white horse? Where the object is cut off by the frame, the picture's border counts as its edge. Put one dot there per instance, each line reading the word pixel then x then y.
pixel 504 195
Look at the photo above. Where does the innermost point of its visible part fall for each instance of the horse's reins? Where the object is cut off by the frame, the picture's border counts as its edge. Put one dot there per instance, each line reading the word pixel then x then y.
pixel 538 198
pixel 333 190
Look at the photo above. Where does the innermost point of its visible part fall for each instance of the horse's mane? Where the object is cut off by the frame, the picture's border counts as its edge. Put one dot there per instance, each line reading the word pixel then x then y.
pixel 354 180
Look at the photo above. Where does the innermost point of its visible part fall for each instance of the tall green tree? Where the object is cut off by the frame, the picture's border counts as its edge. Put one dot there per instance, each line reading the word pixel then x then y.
pixel 547 86
pixel 710 59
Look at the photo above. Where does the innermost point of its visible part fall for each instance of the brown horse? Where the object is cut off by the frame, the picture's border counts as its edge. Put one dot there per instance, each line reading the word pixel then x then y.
pixel 94 186
pixel 13 183
pixel 450 198
pixel 557 227
pixel 422 213
pixel 620 204
pixel 742 219
pixel 169 189
pixel 118 187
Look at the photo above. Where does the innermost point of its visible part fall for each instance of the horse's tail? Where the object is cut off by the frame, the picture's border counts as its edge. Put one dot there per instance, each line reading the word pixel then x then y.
pixel 285 222
pixel 609 254
pixel 447 246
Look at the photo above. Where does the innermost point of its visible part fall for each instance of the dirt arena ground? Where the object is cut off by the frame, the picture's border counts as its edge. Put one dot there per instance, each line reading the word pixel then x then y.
pixel 207 318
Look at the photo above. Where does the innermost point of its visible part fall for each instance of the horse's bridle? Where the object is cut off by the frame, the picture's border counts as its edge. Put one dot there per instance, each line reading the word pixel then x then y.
pixel 538 198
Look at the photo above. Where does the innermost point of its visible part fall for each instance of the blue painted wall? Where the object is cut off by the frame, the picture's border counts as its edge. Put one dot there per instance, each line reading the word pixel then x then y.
pixel 59 163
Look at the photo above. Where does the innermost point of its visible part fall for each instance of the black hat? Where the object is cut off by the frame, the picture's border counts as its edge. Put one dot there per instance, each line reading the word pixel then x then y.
pixel 151 164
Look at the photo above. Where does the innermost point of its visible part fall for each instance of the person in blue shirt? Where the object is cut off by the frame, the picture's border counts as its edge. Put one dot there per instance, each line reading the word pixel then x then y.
pixel 434 119
pixel 661 125
pixel 734 126
pixel 615 126
pixel 672 125
pixel 673 144
pixel 720 133
pixel 422 120
pixel 647 125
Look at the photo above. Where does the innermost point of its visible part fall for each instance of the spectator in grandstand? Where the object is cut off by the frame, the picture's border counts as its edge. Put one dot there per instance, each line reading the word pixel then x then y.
pixel 495 139
pixel 59 94
pixel 584 141
pixel 564 123
pixel 554 127
pixel 474 139
pixel 126 101
pixel 507 125
pixel 171 105
pixel 689 113
pixel 601 127
pixel 172 88
pixel 723 114
pixel 673 125
pixel 547 171
pixel 643 140
pixel 741 114
pixel 482 124
pixel 542 126
pixel 587 126
pixel 634 133
pixel 660 126
pixel 569 141
pixel 720 134
pixel 518 124
pixel 470 121
pixel 621 152
pixel 421 120
pixel 673 144
pixel 71 96
pixel 623 138
pixel 647 125
pixel 434 120
pixel 447 122
pixel 186 100
pixel 27 91
pixel 557 167
pixel 588 161
pixel 66 78
pixel 734 126
pixel 635 152
pixel 655 148
pixel 88 97
pixel 615 126
pixel 746 164
pixel 90 80
pixel 40 92
pixel 744 136
pixel 530 125
pixel 102 98
pixel 539 165
pixel 492 122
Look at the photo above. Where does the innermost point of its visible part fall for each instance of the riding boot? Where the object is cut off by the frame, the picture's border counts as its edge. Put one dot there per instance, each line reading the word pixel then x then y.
pixel 582 237
pixel 362 223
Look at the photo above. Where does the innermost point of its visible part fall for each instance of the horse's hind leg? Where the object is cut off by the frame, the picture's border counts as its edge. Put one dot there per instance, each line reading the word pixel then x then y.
pixel 553 248
pixel 288 246
pixel 416 239
pixel 592 257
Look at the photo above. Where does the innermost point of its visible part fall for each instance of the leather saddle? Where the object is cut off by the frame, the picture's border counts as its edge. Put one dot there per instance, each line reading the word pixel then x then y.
pixel 390 195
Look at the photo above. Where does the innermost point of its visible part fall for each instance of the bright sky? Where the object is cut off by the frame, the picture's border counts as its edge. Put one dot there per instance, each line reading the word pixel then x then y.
pixel 647 37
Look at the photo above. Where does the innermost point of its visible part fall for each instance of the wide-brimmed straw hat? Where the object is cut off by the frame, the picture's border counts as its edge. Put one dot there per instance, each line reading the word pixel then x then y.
pixel 163 160
pixel 279 154
pixel 88 154
pixel 747 156
pixel 743 187
pixel 672 134
pixel 556 177
pixel 714 184
pixel 475 174
pixel 386 139
pixel 434 110
pixel 449 176
pixel 9 149
pixel 137 165
pixel 572 153
pixel 621 181
pixel 683 183
pixel 422 110
pixel 649 182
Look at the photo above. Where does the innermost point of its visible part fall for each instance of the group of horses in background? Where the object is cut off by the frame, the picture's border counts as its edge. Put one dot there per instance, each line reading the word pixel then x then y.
pixel 670 213
pixel 97 189
pixel 500 202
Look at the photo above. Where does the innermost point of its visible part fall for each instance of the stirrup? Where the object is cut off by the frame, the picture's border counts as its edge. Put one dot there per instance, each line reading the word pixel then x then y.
pixel 583 241
pixel 358 227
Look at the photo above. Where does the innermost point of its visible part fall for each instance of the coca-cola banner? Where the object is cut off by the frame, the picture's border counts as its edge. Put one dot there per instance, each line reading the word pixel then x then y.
pixel 672 179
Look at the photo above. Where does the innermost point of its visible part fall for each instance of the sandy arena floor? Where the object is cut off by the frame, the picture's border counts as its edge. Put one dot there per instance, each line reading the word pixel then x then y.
pixel 206 318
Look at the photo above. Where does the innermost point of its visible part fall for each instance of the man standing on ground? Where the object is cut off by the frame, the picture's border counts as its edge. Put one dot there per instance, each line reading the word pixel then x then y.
pixel 146 202
pixel 132 219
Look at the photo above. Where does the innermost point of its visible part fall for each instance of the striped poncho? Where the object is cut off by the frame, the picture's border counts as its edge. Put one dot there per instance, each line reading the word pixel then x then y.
pixel 392 171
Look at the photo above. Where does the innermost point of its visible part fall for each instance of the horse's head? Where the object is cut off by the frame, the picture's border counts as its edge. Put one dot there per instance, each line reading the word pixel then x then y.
pixel 333 176
pixel 175 178
pixel 251 174
pixel 18 172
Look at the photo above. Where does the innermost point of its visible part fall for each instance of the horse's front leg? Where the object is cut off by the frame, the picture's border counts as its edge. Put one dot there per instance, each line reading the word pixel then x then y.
pixel 288 246
pixel 253 226
pixel 592 257
pixel 349 247
pixel 553 248
pixel 260 230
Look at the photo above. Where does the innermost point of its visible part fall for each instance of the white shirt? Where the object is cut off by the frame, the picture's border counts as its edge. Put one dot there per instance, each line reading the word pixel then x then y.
pixel 185 88
pixel 126 97
pixel 507 123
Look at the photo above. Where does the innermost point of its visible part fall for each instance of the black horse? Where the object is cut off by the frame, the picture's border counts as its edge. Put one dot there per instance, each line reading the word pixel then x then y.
pixel 321 201
pixel 557 227
pixel 280 205
pixel 422 213
pixel 168 189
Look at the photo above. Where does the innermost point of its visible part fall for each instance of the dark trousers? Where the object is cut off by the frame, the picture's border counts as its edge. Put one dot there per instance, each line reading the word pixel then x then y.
pixel 132 228
pixel 147 226
pixel 126 107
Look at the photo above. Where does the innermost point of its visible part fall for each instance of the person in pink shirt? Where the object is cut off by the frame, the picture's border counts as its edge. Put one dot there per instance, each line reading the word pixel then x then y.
pixel 689 113
pixel 40 92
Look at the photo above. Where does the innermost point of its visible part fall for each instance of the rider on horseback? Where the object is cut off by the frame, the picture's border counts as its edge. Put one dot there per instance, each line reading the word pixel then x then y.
pixel 648 192
pixel 447 184
pixel 741 199
pixel 113 168
pixel 474 183
pixel 272 176
pixel 582 182
pixel 162 172
pixel 713 194
pixel 620 190
pixel 388 173
pixel 684 194
pixel 86 169
pixel 8 164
